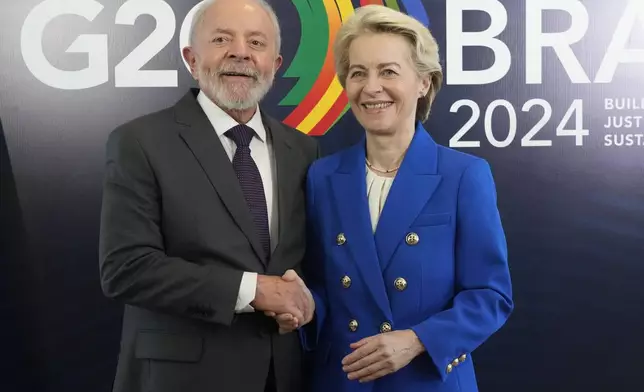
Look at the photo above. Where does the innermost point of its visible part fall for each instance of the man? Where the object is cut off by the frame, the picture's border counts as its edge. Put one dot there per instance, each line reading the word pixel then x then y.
pixel 203 212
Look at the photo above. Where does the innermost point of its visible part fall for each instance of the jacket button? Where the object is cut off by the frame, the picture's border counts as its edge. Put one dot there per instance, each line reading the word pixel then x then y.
pixel 346 282
pixel 340 239
pixel 400 284
pixel 353 325
pixel 412 239
pixel 385 327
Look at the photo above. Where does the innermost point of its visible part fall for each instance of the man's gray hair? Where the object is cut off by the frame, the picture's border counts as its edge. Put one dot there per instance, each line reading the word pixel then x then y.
pixel 199 14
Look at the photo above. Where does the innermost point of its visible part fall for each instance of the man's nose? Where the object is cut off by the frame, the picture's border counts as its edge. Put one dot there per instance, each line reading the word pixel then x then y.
pixel 239 50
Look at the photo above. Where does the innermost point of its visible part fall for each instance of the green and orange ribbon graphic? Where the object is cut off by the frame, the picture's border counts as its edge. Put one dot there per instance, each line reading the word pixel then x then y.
pixel 318 97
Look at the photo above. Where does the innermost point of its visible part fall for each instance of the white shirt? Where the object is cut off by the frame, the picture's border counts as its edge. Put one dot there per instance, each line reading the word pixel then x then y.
pixel 262 152
pixel 378 187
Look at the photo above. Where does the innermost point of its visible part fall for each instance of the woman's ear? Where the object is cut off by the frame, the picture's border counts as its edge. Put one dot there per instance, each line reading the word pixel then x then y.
pixel 425 85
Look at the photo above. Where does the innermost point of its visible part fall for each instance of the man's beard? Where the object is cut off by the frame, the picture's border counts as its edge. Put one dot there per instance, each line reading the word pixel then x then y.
pixel 235 95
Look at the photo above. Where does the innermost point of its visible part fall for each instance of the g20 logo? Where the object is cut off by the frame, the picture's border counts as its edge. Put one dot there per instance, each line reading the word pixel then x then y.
pixel 317 97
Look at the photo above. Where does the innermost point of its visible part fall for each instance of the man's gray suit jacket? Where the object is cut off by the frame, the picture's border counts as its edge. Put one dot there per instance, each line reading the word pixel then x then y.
pixel 176 236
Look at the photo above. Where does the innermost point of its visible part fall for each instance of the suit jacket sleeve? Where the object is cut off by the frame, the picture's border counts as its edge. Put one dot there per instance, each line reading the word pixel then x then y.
pixel 483 298
pixel 134 267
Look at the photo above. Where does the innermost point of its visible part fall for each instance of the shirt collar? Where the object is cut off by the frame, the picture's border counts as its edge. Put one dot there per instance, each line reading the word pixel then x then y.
pixel 222 121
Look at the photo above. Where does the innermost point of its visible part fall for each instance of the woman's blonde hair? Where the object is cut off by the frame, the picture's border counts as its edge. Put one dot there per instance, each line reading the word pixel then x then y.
pixel 380 19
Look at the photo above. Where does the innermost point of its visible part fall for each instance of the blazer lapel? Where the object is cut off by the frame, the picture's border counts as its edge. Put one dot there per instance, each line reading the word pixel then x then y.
pixel 413 186
pixel 350 193
pixel 202 140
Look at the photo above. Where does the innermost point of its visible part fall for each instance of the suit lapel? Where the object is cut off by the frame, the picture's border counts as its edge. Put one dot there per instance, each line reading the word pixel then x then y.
pixel 349 190
pixel 202 140
pixel 286 183
pixel 413 186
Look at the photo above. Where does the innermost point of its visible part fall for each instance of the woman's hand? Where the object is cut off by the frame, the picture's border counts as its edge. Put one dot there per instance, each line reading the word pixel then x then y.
pixel 382 354
pixel 286 322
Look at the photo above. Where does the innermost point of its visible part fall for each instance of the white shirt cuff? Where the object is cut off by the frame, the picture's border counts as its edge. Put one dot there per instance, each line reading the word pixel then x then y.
pixel 246 295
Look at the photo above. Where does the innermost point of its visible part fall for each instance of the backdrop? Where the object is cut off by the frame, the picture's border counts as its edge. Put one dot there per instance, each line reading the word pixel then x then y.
pixel 549 91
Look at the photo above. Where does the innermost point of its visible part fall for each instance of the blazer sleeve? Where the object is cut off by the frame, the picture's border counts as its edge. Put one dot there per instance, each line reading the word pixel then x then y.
pixel 483 299
pixel 313 268
pixel 134 267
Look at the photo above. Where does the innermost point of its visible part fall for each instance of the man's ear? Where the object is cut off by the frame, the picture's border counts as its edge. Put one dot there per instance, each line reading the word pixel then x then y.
pixel 278 62
pixel 189 55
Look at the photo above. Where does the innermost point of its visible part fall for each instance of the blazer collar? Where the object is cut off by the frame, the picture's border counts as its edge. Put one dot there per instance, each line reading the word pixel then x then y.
pixel 421 157
pixel 413 187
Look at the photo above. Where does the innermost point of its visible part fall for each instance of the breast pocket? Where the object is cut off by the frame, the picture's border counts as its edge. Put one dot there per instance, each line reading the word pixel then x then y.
pixel 440 219
pixel 433 252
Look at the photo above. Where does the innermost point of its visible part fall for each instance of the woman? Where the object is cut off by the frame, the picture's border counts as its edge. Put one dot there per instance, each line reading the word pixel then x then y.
pixel 408 263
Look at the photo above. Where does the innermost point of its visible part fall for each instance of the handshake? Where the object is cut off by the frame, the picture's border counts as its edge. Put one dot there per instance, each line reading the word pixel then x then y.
pixel 285 298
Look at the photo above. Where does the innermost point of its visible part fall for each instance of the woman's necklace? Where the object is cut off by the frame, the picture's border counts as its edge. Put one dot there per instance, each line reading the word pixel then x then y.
pixel 388 171
pixel 372 167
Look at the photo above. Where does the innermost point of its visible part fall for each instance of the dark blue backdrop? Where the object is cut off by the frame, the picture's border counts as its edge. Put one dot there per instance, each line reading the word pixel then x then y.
pixel 573 214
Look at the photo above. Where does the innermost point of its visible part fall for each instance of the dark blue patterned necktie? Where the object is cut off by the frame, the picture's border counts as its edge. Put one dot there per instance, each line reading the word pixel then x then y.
pixel 251 182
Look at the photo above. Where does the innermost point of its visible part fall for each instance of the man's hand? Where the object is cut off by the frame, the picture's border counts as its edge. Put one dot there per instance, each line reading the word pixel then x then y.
pixel 379 355
pixel 286 296
pixel 288 322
